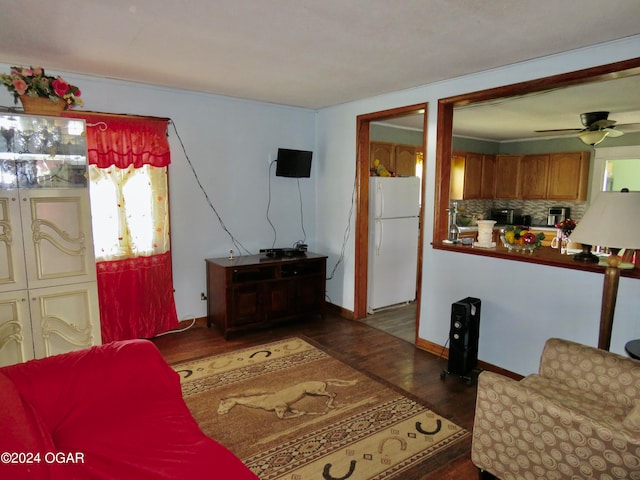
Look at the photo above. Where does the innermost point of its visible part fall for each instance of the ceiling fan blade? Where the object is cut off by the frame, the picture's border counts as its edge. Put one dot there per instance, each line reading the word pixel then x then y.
pixel 628 127
pixel 568 130
pixel 613 133
pixel 602 124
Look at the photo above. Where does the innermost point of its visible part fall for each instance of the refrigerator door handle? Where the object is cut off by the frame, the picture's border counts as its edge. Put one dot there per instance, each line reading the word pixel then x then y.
pixel 378 236
pixel 380 202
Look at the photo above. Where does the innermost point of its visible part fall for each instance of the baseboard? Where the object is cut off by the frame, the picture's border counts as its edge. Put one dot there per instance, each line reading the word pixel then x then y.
pixel 443 352
pixel 337 310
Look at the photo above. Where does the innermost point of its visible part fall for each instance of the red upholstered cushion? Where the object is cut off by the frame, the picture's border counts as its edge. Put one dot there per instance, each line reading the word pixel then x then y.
pixel 120 407
pixel 22 434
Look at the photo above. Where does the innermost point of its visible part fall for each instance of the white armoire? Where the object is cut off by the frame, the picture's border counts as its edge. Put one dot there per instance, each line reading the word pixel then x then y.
pixel 48 291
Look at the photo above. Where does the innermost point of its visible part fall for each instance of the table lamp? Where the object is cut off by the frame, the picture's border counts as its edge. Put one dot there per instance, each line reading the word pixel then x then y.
pixel 611 221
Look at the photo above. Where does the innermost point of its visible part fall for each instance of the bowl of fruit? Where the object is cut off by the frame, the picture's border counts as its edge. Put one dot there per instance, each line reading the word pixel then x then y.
pixel 520 239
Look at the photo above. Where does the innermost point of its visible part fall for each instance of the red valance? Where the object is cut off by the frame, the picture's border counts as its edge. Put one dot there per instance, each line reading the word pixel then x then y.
pixel 124 140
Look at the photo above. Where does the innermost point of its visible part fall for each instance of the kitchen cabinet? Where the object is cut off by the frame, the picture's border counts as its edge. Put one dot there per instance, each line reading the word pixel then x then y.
pixel 549 176
pixel 568 176
pixel 466 175
pixel 508 168
pixel 398 158
pixel 534 176
pixel 48 291
pixel 488 180
pixel 255 290
pixel 472 176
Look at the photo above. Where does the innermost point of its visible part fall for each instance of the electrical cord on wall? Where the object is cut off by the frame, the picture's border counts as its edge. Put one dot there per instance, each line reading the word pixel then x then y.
pixel 234 240
pixel 304 234
pixel 275 233
pixel 347 230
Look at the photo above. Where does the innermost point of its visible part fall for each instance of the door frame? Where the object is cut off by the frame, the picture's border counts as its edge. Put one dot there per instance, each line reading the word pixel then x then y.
pixel 363 123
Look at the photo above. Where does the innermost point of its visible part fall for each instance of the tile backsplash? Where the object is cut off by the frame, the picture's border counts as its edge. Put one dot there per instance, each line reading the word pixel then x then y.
pixel 536 208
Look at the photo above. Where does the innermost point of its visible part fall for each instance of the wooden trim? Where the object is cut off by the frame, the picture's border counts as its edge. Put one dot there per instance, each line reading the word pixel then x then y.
pixel 362 201
pixel 338 310
pixel 445 120
pixel 443 353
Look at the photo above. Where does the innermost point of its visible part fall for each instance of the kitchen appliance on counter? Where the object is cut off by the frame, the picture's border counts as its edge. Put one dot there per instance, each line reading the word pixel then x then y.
pixel 504 216
pixel 394 205
pixel 557 214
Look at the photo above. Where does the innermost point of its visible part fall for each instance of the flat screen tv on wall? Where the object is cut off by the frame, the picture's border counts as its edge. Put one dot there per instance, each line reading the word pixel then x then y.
pixel 293 163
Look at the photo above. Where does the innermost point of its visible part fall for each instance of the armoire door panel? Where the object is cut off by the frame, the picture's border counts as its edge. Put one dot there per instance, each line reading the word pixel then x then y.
pixel 57 230
pixel 13 275
pixel 16 344
pixel 63 319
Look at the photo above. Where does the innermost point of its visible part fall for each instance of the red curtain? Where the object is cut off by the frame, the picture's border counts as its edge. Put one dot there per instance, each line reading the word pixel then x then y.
pixel 135 294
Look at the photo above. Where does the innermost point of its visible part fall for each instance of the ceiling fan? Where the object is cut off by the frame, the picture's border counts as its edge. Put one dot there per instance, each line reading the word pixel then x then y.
pixel 597 127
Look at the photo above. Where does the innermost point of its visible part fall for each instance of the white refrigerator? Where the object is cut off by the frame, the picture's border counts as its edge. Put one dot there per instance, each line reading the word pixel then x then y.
pixel 393 240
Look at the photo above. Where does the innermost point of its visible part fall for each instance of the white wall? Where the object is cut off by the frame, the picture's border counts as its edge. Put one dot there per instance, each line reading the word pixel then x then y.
pixel 522 304
pixel 229 142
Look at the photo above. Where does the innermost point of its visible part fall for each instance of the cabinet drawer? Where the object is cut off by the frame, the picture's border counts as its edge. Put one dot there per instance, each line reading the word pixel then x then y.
pixel 300 269
pixel 247 275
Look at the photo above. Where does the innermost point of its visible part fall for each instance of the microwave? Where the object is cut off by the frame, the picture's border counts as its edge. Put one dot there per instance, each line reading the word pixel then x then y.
pixel 503 216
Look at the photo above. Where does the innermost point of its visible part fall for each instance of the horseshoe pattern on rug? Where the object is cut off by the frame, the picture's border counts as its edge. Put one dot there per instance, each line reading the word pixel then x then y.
pixel 267 353
pixel 403 443
pixel 327 476
pixel 187 373
pixel 433 432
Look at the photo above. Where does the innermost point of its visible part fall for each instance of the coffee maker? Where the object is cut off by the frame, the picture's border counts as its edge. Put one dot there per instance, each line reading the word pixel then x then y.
pixel 557 214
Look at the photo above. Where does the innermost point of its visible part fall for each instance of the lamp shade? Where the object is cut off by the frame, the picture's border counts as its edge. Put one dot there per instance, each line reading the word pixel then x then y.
pixel 593 137
pixel 611 221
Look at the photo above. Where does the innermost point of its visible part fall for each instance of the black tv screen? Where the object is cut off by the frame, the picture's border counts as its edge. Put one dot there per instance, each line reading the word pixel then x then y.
pixel 293 163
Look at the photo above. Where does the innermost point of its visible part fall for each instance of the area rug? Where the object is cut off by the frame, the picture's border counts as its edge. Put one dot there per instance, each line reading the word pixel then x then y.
pixel 289 410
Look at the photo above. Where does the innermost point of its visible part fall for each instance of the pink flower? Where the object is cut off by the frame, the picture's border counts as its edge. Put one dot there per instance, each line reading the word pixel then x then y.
pixel 27 72
pixel 60 86
pixel 20 86
pixel 37 71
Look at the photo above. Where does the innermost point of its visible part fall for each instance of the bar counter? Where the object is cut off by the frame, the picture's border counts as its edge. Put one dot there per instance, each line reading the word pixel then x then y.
pixel 541 256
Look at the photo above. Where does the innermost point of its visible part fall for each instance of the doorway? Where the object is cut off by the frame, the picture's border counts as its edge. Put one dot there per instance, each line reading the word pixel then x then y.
pixel 362 204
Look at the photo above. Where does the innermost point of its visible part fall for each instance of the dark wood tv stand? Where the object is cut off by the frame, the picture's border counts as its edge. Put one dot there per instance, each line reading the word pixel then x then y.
pixel 255 290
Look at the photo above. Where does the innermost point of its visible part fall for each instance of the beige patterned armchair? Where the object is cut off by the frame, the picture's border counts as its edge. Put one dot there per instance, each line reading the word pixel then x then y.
pixel 578 418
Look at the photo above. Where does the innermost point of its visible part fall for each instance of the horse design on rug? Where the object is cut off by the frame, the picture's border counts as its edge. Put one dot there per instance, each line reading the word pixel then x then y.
pixel 281 401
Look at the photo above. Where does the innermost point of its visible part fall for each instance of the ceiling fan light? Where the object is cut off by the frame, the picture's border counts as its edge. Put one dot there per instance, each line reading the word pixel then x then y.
pixel 593 137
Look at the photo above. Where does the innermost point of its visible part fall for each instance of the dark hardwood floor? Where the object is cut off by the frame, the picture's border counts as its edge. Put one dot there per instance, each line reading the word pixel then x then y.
pixel 367 349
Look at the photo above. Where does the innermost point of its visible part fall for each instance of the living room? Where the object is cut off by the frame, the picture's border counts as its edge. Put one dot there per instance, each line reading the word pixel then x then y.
pixel 232 142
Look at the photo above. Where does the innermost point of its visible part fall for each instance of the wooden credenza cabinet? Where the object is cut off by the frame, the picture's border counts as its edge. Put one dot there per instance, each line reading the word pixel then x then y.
pixel 255 290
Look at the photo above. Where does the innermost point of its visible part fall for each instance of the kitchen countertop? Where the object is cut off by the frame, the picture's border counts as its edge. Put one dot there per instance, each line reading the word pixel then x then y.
pixel 474 228
pixel 542 256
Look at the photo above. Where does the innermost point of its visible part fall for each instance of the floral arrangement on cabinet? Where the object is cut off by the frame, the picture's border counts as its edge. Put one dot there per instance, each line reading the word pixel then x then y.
pixel 34 82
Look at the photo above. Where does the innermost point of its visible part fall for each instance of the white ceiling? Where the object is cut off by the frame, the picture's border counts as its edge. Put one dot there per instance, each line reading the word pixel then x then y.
pixel 307 53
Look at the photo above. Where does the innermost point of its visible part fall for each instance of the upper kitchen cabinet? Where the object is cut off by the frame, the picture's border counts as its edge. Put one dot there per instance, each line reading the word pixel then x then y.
pixel 48 291
pixel 534 178
pixel 568 176
pixel 508 172
pixel 398 158
pixel 472 176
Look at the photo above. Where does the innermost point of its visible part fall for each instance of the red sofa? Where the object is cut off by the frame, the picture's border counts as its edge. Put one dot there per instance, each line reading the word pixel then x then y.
pixel 109 412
